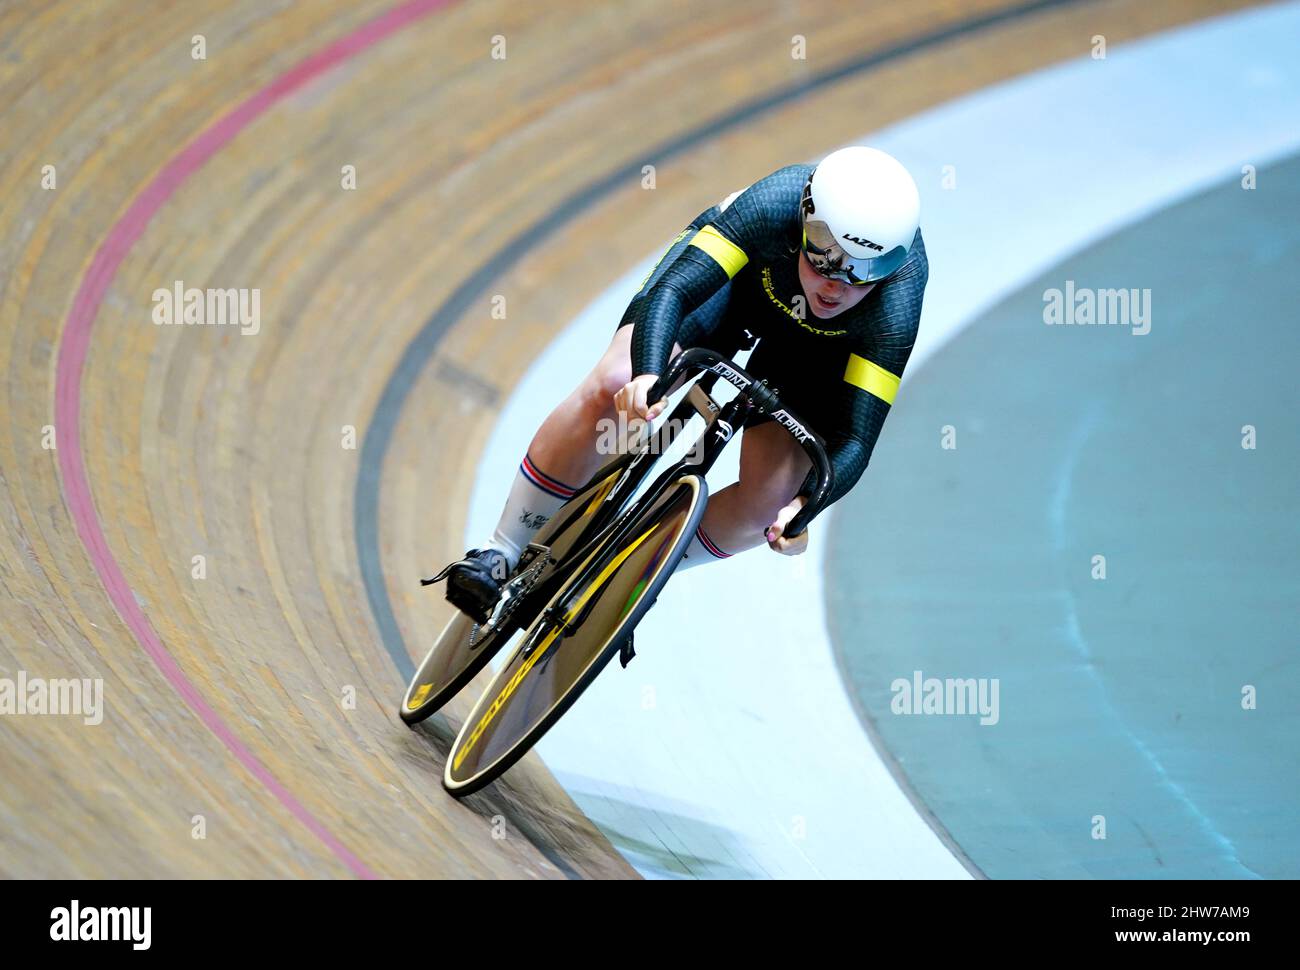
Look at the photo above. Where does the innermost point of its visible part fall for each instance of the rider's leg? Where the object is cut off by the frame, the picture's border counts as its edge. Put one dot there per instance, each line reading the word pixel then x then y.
pixel 772 467
pixel 563 453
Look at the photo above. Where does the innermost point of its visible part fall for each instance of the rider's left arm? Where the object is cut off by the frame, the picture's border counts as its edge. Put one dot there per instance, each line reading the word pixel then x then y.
pixel 848 445
pixel 872 371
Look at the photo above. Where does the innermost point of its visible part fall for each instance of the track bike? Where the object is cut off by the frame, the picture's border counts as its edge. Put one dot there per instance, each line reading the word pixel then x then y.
pixel 592 572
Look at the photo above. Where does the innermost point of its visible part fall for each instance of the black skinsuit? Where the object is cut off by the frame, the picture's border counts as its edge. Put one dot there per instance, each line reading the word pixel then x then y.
pixel 741 273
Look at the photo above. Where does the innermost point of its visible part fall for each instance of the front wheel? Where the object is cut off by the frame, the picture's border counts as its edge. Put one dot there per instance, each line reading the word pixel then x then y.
pixel 573 638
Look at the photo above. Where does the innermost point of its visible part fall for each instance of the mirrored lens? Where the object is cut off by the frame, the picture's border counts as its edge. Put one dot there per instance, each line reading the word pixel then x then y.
pixel 818 236
pixel 831 261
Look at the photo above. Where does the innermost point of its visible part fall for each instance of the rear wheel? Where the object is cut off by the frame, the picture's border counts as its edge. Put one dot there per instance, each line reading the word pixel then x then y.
pixel 580 629
pixel 464 646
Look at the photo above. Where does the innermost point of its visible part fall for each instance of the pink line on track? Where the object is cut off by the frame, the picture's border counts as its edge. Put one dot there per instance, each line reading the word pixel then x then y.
pixel 75 341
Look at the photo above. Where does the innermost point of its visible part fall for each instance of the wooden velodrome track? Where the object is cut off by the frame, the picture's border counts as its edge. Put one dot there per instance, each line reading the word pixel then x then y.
pixel 227 696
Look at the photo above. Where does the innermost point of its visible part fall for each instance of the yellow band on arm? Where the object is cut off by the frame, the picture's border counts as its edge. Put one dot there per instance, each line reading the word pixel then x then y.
pixel 872 378
pixel 724 252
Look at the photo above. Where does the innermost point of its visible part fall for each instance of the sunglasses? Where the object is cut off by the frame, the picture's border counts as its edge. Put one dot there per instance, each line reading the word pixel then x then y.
pixel 830 259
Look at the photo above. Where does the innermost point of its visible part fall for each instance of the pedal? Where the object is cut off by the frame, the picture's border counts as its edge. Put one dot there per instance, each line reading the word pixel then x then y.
pixel 531 551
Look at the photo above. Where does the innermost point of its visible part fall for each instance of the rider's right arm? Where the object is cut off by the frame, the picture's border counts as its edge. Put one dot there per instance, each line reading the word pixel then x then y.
pixel 690 279
pixel 718 244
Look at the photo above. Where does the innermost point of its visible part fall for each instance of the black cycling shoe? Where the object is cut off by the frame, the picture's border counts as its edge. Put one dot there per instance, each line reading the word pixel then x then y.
pixel 474 583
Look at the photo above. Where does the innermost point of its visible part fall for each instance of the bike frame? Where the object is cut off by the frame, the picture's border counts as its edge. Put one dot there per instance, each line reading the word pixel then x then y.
pixel 721 423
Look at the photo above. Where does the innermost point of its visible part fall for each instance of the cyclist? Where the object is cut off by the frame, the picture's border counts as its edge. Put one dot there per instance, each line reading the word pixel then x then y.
pixel 826 267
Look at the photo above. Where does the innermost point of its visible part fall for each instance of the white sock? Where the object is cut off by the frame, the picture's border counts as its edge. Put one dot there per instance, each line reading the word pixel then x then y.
pixel 701 550
pixel 534 498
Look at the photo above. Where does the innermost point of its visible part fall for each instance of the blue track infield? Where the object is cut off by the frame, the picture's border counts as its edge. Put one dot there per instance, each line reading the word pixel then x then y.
pixel 1119 698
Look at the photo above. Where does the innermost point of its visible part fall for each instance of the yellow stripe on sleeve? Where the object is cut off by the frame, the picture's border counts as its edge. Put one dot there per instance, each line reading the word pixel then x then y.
pixel 872 378
pixel 724 252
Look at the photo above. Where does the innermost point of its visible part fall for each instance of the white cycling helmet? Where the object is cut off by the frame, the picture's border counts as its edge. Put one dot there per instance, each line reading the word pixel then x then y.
pixel 860 214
